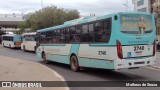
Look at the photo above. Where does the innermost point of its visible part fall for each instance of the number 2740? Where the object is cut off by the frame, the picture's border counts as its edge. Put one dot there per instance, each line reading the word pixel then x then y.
pixel 136 48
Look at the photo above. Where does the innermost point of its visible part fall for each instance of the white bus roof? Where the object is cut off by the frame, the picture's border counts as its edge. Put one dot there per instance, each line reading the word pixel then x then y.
pixel 10 35
pixel 33 33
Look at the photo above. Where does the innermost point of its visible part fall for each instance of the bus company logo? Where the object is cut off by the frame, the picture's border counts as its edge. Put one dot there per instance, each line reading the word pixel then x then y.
pixel 6 84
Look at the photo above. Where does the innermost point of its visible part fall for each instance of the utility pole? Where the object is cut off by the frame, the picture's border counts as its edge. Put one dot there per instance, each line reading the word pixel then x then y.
pixel 126 5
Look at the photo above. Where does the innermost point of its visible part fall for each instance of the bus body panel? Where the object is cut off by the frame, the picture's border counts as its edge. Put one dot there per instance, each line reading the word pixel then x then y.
pixel 97 52
pixel 58 53
pixel 8 44
pixel 129 51
pixel 29 45
pixel 58 58
pixel 96 63
pixel 74 49
pixel 134 62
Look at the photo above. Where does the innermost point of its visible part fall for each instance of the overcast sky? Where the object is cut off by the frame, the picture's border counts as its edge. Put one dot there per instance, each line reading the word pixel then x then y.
pixel 85 7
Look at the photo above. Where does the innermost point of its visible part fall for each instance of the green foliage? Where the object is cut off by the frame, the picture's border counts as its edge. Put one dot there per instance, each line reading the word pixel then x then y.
pixel 48 17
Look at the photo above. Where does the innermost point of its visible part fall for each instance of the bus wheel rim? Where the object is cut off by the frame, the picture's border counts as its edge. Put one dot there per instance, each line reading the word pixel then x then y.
pixel 44 57
pixel 73 63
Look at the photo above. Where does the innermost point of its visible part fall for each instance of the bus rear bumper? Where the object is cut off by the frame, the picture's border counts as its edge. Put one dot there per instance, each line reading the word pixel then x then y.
pixel 134 63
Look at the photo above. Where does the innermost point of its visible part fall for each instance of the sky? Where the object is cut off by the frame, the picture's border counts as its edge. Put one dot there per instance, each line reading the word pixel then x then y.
pixel 85 7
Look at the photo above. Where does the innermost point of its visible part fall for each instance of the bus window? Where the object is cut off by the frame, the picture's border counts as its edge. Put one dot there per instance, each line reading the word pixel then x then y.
pixel 98 27
pixel 64 36
pixel 73 30
pixel 103 31
pixel 63 32
pixel 87 35
pixel 91 28
pixel 91 32
pixel 136 24
pixel 43 38
pixel 75 36
pixel 57 37
pixel 49 37
pixel 78 30
pixel 68 34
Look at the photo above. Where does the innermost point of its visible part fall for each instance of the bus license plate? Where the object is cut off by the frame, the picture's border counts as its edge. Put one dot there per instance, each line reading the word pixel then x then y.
pixel 139 48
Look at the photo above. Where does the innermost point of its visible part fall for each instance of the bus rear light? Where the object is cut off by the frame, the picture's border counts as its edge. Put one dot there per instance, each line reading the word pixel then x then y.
pixel 154 48
pixel 119 50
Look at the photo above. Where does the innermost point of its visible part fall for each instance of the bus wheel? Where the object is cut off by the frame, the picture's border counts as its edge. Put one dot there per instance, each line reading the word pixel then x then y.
pixel 10 46
pixel 35 48
pixel 24 49
pixel 74 64
pixel 44 58
pixel 3 45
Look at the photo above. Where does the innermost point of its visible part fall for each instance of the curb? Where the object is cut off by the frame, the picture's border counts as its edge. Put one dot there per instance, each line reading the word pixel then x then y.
pixel 58 76
pixel 54 72
pixel 157 68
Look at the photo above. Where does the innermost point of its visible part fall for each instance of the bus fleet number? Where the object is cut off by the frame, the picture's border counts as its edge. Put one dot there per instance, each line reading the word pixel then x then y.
pixel 102 52
pixel 137 48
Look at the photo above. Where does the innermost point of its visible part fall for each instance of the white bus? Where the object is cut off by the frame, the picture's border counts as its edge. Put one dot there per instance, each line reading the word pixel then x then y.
pixel 29 41
pixel 11 41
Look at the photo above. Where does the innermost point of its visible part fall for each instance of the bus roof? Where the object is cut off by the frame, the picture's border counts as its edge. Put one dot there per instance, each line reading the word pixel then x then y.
pixel 87 19
pixel 32 33
pixel 10 35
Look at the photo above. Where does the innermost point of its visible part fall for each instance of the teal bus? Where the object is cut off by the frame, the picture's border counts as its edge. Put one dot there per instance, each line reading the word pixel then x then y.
pixel 115 41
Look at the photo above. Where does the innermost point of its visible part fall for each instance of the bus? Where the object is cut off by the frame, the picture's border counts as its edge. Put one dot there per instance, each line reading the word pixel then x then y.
pixel 116 41
pixel 29 42
pixel 11 40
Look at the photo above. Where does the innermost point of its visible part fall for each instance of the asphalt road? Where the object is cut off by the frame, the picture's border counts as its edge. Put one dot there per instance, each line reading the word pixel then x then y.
pixel 141 74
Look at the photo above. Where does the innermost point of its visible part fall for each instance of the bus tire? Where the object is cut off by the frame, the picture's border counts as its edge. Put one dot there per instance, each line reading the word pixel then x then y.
pixel 24 48
pixel 44 58
pixel 35 48
pixel 74 64
pixel 10 46
pixel 3 45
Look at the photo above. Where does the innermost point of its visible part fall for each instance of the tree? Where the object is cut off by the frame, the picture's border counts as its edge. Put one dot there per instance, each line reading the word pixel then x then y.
pixel 48 17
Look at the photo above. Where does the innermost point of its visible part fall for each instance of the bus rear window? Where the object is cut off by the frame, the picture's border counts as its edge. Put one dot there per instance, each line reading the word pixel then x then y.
pixel 136 23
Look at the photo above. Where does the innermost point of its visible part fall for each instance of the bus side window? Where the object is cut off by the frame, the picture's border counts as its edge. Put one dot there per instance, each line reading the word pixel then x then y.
pixel 91 32
pixel 104 32
pixel 64 37
pixel 43 36
pixel 78 29
pixel 84 33
pixel 75 37
pixel 98 27
pixel 57 37
pixel 87 33
pixel 68 34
